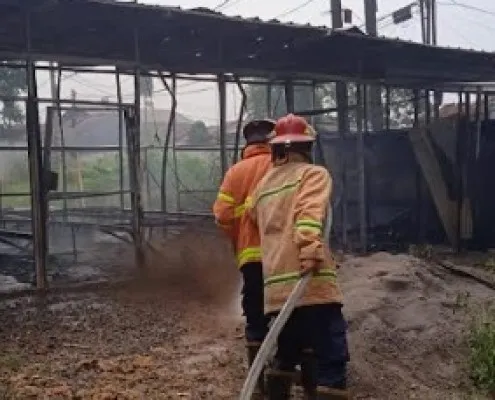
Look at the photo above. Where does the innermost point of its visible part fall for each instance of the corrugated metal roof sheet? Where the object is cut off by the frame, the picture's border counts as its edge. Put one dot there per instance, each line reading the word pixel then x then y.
pixel 205 41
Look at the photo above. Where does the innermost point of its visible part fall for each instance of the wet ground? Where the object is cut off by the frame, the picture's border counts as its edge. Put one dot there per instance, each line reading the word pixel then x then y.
pixel 119 345
pixel 178 333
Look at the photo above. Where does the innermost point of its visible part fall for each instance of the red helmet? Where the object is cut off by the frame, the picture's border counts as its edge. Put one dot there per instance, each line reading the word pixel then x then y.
pixel 292 129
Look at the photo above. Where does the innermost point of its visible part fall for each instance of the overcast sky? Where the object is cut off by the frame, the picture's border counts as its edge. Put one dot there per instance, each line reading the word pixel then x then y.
pixel 461 23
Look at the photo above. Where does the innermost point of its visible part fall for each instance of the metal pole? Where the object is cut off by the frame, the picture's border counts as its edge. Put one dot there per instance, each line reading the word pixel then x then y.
pixel 289 96
pixel 459 173
pixel 148 186
pixel 38 198
pixel 428 21
pixel 222 95
pixel 343 122
pixel 370 10
pixel 47 145
pixel 438 96
pixel 1 206
pixel 478 123
pixel 174 151
pixel 121 138
pixel 313 104
pixel 475 205
pixel 433 5
pixel 336 13
pixel 424 217
pixel 63 158
pixel 419 176
pixel 361 169
pixel 239 121
pixel 486 107
pixel 79 176
pixel 269 111
pixel 422 20
pixel 135 137
pixel 171 123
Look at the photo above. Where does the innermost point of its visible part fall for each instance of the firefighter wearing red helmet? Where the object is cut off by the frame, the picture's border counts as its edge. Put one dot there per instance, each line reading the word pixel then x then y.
pixel 289 207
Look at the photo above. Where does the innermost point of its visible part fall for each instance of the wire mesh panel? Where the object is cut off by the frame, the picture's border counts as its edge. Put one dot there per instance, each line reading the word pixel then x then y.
pixel 16 263
pixel 199 175
pixel 88 152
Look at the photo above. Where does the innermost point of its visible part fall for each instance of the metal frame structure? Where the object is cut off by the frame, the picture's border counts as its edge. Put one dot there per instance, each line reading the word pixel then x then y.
pixel 271 52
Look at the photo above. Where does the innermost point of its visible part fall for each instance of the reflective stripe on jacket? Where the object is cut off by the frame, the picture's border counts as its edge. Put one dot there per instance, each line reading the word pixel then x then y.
pixel 289 207
pixel 230 206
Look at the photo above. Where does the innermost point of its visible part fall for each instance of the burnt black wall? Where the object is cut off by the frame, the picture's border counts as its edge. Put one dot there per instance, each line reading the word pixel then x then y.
pixel 400 207
pixel 481 186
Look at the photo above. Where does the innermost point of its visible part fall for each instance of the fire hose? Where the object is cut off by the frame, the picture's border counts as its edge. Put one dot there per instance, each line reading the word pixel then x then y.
pixel 279 323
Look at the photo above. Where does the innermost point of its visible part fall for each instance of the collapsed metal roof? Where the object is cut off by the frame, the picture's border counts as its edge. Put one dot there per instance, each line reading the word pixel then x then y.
pixel 201 41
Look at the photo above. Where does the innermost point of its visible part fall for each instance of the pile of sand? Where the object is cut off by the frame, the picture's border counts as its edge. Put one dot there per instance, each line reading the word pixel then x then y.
pixel 407 324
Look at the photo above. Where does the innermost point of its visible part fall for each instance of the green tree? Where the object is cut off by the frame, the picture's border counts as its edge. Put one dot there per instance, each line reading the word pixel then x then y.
pixel 401 102
pixel 12 83
pixel 198 134
pixel 402 107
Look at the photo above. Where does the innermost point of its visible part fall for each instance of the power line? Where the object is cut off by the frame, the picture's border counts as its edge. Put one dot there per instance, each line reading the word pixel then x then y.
pixel 355 13
pixel 293 10
pixel 385 16
pixel 231 4
pixel 66 78
pixel 470 7
pixel 221 5
pixel 91 86
pixel 460 34
pixel 472 21
pixel 413 14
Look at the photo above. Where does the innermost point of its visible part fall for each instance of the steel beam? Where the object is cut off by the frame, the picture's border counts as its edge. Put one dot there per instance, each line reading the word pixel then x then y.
pixel 240 120
pixel 38 201
pixel 121 136
pixel 222 95
pixel 360 117
pixel 170 128
pixel 289 96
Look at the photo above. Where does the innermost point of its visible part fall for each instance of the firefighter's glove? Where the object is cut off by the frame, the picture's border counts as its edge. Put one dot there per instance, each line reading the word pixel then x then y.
pixel 309 266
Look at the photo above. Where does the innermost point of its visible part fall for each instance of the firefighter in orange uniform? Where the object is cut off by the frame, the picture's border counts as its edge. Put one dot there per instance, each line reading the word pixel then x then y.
pixel 289 206
pixel 230 215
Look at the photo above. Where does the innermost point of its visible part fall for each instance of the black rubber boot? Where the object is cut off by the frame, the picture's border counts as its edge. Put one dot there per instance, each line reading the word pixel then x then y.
pixel 252 351
pixel 327 393
pixel 309 371
pixel 278 384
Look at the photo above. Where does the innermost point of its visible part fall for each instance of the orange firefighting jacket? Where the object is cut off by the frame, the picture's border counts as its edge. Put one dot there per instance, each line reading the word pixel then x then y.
pixel 230 208
pixel 289 207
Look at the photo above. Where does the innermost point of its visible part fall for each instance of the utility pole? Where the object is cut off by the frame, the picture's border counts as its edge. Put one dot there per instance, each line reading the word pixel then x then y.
pixel 437 96
pixel 375 93
pixel 370 9
pixel 422 20
pixel 428 11
pixel 336 13
pixel 433 17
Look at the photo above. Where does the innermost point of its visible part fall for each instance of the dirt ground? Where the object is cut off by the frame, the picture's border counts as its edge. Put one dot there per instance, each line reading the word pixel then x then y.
pixel 178 333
